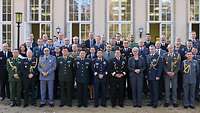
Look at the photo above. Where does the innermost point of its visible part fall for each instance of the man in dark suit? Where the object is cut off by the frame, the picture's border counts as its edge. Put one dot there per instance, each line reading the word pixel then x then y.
pixel 163 43
pixel 119 43
pixel 4 85
pixel 148 41
pixel 90 42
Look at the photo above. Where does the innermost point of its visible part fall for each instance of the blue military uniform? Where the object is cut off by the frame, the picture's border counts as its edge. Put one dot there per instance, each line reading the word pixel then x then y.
pixel 197 57
pixel 100 69
pixel 83 68
pixel 47 64
pixel 190 72
pixel 154 70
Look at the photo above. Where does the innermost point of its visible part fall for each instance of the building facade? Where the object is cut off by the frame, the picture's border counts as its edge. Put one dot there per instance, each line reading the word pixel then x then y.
pixel 172 18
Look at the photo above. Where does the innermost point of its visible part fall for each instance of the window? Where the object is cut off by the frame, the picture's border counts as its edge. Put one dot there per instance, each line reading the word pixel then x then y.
pixel 193 17
pixel 6 21
pixel 119 17
pixel 79 19
pixel 40 17
pixel 160 18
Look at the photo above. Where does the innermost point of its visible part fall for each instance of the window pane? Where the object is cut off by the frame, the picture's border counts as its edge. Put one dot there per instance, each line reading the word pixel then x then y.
pixel 34 10
pixel 46 11
pixel 126 30
pixel 113 29
pixel 166 31
pixel 6 33
pixel 85 29
pixel 45 29
pixel 194 10
pixel 114 10
pixel 80 10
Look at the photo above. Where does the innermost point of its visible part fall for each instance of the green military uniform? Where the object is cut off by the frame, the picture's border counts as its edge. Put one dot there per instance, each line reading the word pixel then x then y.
pixel 74 55
pixel 66 78
pixel 13 68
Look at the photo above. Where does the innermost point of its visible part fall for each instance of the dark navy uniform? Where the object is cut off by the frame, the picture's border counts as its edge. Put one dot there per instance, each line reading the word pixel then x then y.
pixel 126 54
pixel 83 68
pixel 65 77
pixel 29 66
pixel 100 69
pixel 154 70
pixel 117 83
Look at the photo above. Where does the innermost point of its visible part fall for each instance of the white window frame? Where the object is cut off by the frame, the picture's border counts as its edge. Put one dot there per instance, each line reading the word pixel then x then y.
pixel 80 22
pixel 160 22
pixel 120 21
pixel 40 22
pixel 6 23
pixel 192 21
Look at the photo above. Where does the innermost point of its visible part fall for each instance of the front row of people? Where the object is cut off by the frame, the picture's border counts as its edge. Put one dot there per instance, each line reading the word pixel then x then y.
pixel 78 72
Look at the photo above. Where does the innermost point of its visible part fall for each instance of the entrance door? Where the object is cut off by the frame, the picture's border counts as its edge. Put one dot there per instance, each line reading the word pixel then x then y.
pixel 195 27
pixel 154 30
pixel 78 29
pixel 35 30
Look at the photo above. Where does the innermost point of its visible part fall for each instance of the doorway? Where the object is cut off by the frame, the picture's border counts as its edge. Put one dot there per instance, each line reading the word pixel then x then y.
pixel 35 30
pixel 154 30
pixel 195 27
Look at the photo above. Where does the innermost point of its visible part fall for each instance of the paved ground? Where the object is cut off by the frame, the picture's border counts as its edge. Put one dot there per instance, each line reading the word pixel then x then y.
pixel 4 108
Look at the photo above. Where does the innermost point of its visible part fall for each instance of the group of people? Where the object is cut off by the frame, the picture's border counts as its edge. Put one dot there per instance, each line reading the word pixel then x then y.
pixel 54 68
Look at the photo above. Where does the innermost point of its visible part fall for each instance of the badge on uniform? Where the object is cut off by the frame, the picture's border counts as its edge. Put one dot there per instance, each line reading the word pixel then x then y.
pixel 61 62
pixel 104 62
pixel 68 62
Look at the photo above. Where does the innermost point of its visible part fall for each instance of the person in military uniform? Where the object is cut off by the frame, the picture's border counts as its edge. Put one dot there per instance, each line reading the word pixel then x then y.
pixel 28 69
pixel 136 66
pixel 14 77
pixel 83 68
pixel 190 68
pixel 117 79
pixel 196 57
pixel 65 76
pixel 100 69
pixel 126 54
pixel 92 56
pixel 154 72
pixel 171 66
pixel 46 67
